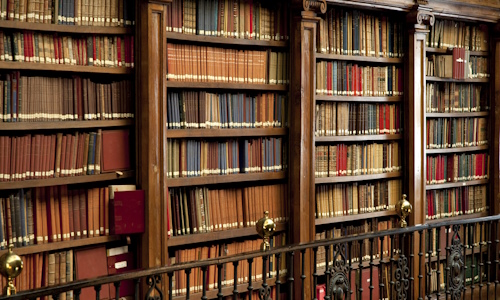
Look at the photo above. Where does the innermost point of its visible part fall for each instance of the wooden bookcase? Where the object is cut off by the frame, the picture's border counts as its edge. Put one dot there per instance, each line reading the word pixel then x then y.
pixel 43 124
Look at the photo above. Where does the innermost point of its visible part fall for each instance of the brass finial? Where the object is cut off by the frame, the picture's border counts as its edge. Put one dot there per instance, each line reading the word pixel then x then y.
pixel 11 266
pixel 403 209
pixel 265 228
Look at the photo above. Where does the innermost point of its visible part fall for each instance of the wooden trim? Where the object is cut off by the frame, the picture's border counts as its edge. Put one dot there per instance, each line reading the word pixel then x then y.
pixel 461 217
pixel 19 66
pixel 11 185
pixel 226 86
pixel 63 245
pixel 458 114
pixel 455 184
pixel 467 80
pixel 339 179
pixel 371 59
pixel 355 138
pixel 58 125
pixel 227 132
pixel 456 150
pixel 393 5
pixel 4 24
pixel 359 98
pixel 449 51
pixel 224 41
pixel 362 216
pixel 190 239
pixel 218 179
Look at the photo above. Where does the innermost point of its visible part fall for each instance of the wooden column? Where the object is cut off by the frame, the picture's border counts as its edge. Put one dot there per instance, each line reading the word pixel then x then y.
pixel 494 197
pixel 301 164
pixel 415 124
pixel 151 133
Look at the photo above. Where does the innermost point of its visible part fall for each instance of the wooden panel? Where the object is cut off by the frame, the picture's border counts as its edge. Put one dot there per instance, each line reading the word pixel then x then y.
pixel 218 179
pixel 66 28
pixel 227 132
pixel 58 125
pixel 226 86
pixel 339 179
pixel 223 41
pixel 11 185
pixel 341 219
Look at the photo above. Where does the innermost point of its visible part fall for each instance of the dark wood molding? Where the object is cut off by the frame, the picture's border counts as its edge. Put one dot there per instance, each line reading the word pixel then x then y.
pixel 201 39
pixel 356 217
pixel 10 24
pixel 339 179
pixel 371 59
pixel 359 98
pixel 226 86
pixel 219 179
pixel 225 132
pixel 356 138
pixel 458 114
pixel 467 80
pixel 456 149
pixel 460 217
pixel 448 185
pixel 19 66
pixel 58 125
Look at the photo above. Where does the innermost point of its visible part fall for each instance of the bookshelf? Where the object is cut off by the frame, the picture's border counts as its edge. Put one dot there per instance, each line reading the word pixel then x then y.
pixel 67 79
pixel 226 126
pixel 358 106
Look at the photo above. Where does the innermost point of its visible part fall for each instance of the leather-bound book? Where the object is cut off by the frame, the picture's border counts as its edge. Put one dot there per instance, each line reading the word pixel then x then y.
pixel 121 263
pixel 115 150
pixel 98 267
pixel 127 212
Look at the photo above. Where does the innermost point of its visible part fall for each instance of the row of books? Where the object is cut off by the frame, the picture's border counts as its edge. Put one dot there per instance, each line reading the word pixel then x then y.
pixel 457 167
pixel 88 50
pixel 34 98
pixel 456 132
pixel 340 78
pixel 256 20
pixel 71 12
pixel 201 210
pixel 41 156
pixel 53 214
pixel 451 34
pixel 343 118
pixel 357 251
pixel 459 65
pixel 356 159
pixel 227 274
pixel 456 201
pixel 212 64
pixel 191 109
pixel 354 32
pixel 446 97
pixel 191 158
pixel 334 200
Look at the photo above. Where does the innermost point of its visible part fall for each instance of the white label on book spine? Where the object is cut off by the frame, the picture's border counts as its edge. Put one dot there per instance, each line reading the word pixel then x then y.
pixel 121 264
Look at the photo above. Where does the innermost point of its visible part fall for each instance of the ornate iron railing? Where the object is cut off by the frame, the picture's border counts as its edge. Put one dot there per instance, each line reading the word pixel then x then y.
pixel 453 260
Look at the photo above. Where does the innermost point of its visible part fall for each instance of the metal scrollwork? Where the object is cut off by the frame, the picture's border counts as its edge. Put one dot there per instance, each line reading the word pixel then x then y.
pixel 314 5
pixel 402 282
pixel 456 265
pixel 339 283
pixel 265 292
pixel 154 292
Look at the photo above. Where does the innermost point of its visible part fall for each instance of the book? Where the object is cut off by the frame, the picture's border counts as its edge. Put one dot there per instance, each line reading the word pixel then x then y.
pixel 84 270
pixel 115 150
pixel 126 215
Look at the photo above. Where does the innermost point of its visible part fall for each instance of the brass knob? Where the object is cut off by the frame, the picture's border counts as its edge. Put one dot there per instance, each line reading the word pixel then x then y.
pixel 265 228
pixel 11 266
pixel 403 209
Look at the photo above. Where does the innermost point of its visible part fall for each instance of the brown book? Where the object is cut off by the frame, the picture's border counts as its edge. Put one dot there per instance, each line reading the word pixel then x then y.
pixel 75 205
pixel 102 210
pixel 98 267
pixel 98 150
pixel 83 213
pixel 51 213
pixel 64 213
pixel 90 213
pixel 62 158
pixel 57 166
pixel 115 150
pixel 52 269
pixel 95 211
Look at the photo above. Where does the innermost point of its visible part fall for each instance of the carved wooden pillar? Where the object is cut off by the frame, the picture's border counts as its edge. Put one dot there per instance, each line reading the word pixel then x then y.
pixel 151 120
pixel 494 199
pixel 303 47
pixel 418 20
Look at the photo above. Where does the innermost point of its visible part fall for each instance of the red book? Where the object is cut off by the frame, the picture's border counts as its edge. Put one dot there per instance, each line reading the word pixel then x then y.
pixel 98 267
pixel 131 51
pixel 119 51
pixel 119 264
pixel 320 291
pixel 115 150
pixel 127 212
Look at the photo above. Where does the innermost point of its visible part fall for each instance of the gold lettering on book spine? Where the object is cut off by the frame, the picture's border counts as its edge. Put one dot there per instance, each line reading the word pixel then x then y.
pixel 315 5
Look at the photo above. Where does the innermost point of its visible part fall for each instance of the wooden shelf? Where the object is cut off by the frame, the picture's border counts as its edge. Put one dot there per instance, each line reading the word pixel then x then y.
pixel 182 240
pixel 362 216
pixel 443 258
pixel 20 66
pixel 353 138
pixel 58 125
pixel 429 187
pixel 458 114
pixel 226 132
pixel 450 50
pixel 390 60
pixel 359 98
pixel 461 217
pixel 456 150
pixel 339 179
pixel 66 28
pixel 228 290
pixel 63 245
pixel 218 179
pixel 468 80
pixel 226 86
pixel 223 40
pixel 11 185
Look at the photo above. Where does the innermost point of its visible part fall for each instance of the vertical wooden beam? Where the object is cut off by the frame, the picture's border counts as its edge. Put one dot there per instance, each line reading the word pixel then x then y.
pixel 494 197
pixel 415 124
pixel 151 120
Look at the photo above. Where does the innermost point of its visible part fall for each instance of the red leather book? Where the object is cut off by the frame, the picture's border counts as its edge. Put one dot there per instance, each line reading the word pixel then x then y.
pixel 127 212
pixel 115 150
pixel 320 291
pixel 85 270
pixel 119 264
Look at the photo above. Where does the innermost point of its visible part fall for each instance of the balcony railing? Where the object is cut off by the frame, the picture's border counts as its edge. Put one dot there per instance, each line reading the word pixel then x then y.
pixel 453 260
